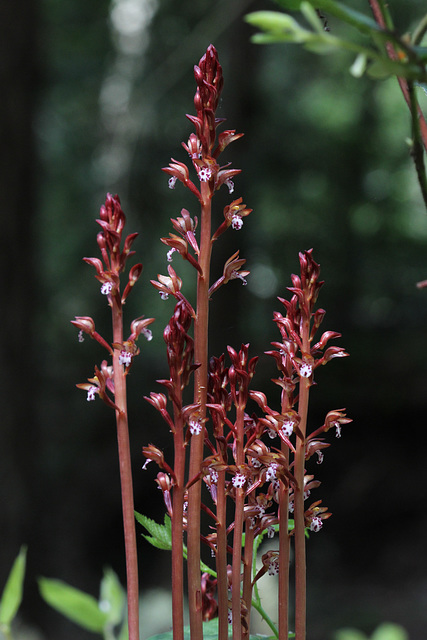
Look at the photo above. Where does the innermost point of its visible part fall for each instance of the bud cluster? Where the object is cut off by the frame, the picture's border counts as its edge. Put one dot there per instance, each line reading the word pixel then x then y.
pixel 114 258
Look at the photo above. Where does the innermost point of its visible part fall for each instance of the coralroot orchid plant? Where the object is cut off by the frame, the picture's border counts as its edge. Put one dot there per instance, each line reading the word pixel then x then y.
pixel 244 460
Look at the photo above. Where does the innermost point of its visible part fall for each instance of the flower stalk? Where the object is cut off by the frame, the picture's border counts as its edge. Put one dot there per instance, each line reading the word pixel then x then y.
pixel 252 484
pixel 110 382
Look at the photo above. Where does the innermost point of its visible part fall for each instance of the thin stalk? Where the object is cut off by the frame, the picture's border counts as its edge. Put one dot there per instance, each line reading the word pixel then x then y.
pixel 256 603
pixel 238 531
pixel 417 150
pixel 256 600
pixel 200 397
pixel 221 558
pixel 420 31
pixel 247 571
pixel 284 543
pixel 378 13
pixel 300 556
pixel 125 478
pixel 177 525
pixel 284 556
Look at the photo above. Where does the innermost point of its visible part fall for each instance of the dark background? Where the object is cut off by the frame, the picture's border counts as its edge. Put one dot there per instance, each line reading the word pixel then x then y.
pixel 93 100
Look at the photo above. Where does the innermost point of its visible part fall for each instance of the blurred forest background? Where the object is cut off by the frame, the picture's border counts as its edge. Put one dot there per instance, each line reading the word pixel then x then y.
pixel 93 100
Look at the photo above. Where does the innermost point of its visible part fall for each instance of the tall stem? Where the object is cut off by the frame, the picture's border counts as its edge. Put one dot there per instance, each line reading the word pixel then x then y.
pixel 284 556
pixel 125 478
pixel 300 558
pixel 247 573
pixel 200 397
pixel 221 558
pixel 284 543
pixel 177 525
pixel 238 531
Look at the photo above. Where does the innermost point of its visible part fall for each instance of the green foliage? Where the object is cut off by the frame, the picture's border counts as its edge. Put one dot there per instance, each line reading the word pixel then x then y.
pixel 97 616
pixel 12 593
pixel 349 634
pixel 112 598
pixel 356 19
pixel 78 606
pixel 280 27
pixel 386 631
pixel 210 632
pixel 161 537
pixel 160 534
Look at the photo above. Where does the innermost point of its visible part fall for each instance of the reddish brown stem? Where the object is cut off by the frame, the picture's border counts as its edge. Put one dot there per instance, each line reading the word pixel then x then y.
pixel 125 478
pixel 300 557
pixel 200 397
pixel 177 526
pixel 238 531
pixel 284 558
pixel 247 574
pixel 221 558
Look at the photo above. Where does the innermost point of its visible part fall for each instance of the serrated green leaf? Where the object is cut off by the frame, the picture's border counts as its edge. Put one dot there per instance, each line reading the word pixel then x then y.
pixel 389 631
pixel 112 597
pixel 161 535
pixel 12 593
pixel 78 606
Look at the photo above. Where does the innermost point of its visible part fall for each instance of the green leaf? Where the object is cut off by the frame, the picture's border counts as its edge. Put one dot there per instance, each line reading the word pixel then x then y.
pixel 112 597
pixel 358 67
pixel 356 19
pixel 124 631
pixel 321 44
pixel 311 16
pixel 210 632
pixel 78 606
pixel 12 593
pixel 385 67
pixel 279 24
pixel 349 634
pixel 389 631
pixel 161 535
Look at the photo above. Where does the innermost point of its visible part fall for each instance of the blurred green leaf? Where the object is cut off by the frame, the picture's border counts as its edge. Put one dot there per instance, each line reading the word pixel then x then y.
pixel 358 67
pixel 112 597
pixel 210 632
pixel 12 593
pixel 362 22
pixel 311 16
pixel 160 535
pixel 349 634
pixel 389 631
pixel 78 606
pixel 386 67
pixel 124 631
pixel 281 25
